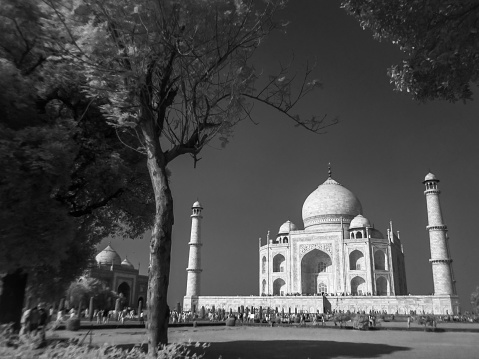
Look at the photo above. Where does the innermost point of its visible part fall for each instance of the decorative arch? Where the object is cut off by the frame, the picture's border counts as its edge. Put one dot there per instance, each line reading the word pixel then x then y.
pixel 279 287
pixel 285 240
pixel 379 260
pixel 358 285
pixel 381 286
pixel 356 260
pixel 314 263
pixel 359 234
pixel 263 265
pixel 263 286
pixel 278 263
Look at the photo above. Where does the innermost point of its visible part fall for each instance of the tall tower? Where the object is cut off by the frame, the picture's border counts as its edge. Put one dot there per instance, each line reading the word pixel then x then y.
pixel 444 283
pixel 194 261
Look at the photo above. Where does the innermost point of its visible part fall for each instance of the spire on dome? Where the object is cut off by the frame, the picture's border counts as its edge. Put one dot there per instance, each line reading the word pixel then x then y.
pixel 329 170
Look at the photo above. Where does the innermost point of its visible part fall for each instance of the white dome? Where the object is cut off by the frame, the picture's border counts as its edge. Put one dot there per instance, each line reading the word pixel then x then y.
pixel 127 263
pixel 359 222
pixel 430 177
pixel 197 204
pixel 329 202
pixel 287 227
pixel 108 256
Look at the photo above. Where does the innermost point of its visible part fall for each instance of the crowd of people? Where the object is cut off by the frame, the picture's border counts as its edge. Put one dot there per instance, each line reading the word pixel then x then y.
pixel 35 320
pixel 339 294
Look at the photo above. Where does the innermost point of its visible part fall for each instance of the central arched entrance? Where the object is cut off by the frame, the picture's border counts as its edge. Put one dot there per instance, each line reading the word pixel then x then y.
pixel 124 291
pixel 315 264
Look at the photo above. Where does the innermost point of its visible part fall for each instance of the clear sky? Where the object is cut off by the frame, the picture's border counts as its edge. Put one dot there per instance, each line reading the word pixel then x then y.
pixel 381 150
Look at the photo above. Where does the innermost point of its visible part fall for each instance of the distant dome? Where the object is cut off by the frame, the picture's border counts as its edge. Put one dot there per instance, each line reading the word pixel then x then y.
pixel 376 234
pixel 127 263
pixel 197 204
pixel 430 177
pixel 359 222
pixel 108 256
pixel 287 227
pixel 329 202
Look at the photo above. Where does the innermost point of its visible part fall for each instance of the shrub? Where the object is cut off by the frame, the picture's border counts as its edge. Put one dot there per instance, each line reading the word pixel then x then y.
pixel 73 324
pixel 12 346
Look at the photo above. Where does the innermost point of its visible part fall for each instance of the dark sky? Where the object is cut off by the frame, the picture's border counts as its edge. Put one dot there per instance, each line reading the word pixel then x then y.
pixel 381 150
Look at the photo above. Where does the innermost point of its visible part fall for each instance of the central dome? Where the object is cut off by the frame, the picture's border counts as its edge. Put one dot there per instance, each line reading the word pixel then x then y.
pixel 330 203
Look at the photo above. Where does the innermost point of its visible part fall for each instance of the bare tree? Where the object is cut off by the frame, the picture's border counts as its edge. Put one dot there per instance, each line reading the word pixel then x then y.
pixel 178 74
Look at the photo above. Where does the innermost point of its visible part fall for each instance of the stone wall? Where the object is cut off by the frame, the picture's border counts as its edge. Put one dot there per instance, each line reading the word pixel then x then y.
pixel 391 304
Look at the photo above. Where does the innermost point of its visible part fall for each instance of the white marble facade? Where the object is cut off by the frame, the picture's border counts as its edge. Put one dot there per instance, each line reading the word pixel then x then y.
pixel 339 261
pixel 337 252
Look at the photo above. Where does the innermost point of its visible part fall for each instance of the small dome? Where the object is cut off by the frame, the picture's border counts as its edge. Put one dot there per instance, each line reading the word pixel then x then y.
pixel 127 263
pixel 287 227
pixel 359 222
pixel 330 199
pixel 108 256
pixel 430 177
pixel 197 204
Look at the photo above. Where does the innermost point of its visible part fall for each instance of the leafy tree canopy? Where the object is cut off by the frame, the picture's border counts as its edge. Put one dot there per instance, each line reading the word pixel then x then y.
pixel 84 288
pixel 440 40
pixel 67 179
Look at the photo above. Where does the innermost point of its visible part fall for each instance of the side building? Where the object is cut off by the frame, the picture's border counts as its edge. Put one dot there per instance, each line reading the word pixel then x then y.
pixel 120 276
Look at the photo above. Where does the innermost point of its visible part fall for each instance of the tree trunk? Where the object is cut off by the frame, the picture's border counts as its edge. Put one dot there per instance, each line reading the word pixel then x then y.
pixel 11 300
pixel 160 255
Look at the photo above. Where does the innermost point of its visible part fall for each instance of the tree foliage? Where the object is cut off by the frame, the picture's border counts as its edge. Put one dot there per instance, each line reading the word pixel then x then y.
pixel 67 179
pixel 84 288
pixel 438 37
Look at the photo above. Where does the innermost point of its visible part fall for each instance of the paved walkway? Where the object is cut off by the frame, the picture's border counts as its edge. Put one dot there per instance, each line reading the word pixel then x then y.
pixel 395 325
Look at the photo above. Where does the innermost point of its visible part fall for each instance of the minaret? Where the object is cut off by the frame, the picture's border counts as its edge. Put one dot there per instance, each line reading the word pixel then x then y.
pixel 442 274
pixel 194 261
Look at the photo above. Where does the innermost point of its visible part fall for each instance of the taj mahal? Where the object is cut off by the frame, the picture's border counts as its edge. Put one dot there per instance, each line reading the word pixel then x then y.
pixel 336 261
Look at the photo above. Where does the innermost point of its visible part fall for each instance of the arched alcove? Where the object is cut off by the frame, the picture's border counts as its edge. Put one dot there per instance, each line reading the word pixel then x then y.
pixel 379 260
pixel 356 260
pixel 358 285
pixel 278 263
pixel 381 286
pixel 263 286
pixel 263 265
pixel 279 287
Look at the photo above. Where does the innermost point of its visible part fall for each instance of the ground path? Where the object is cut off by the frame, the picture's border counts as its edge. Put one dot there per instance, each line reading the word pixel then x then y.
pixel 298 343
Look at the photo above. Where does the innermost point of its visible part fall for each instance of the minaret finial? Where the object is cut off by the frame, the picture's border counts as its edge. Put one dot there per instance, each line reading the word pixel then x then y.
pixel 329 170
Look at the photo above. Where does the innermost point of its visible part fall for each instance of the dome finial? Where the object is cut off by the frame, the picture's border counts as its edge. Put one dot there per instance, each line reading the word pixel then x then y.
pixel 329 170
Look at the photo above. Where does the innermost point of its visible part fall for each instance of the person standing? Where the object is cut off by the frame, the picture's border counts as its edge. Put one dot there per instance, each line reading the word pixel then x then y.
pixel 25 322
